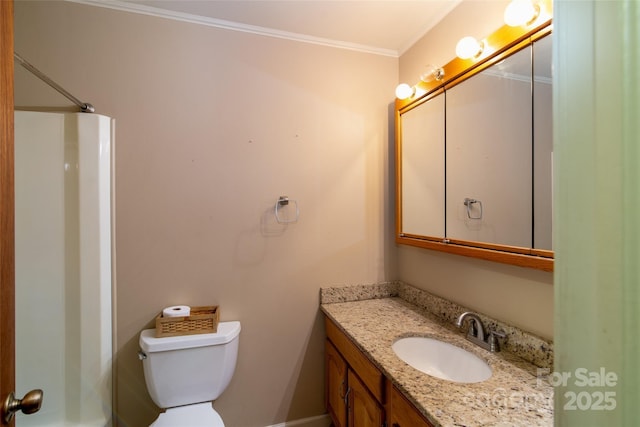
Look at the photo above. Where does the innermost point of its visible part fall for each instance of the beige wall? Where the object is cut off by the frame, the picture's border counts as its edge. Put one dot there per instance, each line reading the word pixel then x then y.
pixel 522 297
pixel 211 127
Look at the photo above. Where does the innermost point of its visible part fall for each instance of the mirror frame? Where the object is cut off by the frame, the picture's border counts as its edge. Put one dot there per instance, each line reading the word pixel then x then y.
pixel 497 46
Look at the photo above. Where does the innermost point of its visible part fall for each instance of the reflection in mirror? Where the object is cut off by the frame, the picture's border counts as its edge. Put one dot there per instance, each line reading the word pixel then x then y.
pixel 423 169
pixel 489 155
pixel 542 144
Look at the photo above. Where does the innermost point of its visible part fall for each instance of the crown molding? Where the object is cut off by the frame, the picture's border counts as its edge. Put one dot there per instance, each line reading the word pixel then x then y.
pixel 233 26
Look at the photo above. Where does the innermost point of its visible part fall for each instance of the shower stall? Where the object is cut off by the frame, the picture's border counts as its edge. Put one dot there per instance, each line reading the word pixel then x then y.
pixel 63 192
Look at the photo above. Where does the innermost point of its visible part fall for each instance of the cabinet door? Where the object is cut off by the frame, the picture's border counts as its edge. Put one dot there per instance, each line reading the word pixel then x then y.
pixel 356 360
pixel 402 413
pixel 336 385
pixel 364 409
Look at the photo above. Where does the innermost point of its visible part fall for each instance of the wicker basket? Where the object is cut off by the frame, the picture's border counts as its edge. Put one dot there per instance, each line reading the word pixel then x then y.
pixel 202 320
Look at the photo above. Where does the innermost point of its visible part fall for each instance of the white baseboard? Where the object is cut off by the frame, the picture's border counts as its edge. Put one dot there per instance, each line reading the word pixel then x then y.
pixel 319 421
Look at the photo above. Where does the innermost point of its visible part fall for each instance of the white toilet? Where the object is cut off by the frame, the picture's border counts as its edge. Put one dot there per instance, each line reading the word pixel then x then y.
pixel 185 373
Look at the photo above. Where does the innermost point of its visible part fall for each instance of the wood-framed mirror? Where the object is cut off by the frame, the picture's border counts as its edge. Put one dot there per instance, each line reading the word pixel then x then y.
pixel 474 153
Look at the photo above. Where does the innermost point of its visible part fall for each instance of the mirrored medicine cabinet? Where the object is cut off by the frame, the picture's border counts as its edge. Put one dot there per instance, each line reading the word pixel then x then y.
pixel 474 154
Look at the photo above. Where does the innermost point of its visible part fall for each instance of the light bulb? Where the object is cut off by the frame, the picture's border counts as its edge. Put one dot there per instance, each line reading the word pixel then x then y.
pixel 404 91
pixel 432 73
pixel 521 12
pixel 468 47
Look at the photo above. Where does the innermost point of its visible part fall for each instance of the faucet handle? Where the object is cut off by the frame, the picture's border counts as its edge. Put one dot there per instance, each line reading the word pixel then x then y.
pixel 494 345
pixel 473 329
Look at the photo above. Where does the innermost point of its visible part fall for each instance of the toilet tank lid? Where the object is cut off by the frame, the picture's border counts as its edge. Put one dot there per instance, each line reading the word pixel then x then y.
pixel 227 331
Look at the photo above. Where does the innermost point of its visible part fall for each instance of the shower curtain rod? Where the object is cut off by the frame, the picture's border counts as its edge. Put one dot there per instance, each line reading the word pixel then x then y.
pixel 85 107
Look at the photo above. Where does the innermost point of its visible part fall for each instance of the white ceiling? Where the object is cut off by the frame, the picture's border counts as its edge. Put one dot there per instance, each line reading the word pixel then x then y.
pixel 384 26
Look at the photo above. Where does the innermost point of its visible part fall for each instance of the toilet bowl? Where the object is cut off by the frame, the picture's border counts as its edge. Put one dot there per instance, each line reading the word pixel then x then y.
pixel 184 374
pixel 199 414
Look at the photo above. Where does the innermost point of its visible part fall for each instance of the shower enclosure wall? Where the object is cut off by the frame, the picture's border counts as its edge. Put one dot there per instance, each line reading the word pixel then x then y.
pixel 63 169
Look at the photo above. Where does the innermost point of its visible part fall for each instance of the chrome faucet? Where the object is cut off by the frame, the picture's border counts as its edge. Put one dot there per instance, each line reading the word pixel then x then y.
pixel 477 334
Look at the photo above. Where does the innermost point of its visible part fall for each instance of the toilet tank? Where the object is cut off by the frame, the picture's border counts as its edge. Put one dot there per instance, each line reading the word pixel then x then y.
pixel 189 369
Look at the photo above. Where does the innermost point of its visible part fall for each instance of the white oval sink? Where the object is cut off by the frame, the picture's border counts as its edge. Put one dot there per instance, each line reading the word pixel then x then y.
pixel 442 360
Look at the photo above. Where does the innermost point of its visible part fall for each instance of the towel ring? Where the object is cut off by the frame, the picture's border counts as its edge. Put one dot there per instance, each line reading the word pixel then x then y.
pixel 284 201
pixel 468 202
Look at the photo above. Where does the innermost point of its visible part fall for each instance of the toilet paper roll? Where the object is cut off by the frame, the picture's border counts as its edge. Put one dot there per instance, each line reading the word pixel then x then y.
pixel 176 311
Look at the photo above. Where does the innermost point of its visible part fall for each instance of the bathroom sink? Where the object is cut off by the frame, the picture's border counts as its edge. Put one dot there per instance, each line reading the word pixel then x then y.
pixel 442 360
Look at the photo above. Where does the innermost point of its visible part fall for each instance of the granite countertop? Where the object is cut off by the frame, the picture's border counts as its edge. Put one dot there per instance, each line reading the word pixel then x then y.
pixel 515 395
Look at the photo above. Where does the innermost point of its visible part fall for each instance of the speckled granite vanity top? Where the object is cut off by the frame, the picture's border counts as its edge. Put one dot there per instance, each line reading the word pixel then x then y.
pixel 515 395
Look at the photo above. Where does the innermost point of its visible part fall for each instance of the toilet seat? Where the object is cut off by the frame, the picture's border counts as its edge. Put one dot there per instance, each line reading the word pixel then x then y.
pixel 198 415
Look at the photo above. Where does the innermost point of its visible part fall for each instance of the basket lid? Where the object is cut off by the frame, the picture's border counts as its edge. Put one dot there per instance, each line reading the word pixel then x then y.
pixel 227 331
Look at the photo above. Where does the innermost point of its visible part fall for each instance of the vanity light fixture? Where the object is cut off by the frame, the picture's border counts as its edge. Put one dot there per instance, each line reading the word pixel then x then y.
pixel 468 47
pixel 521 12
pixel 432 73
pixel 404 91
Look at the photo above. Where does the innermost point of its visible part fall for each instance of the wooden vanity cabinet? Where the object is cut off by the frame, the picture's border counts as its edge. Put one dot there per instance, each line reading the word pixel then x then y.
pixel 364 410
pixel 401 412
pixel 357 393
pixel 335 369
pixel 354 386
